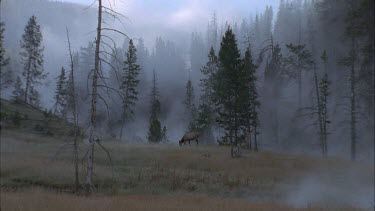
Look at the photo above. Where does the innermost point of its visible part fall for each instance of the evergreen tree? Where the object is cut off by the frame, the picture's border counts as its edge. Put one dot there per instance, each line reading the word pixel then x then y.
pixel 164 135
pixel 205 114
pixel 299 60
pixel 61 94
pixel 5 76
pixel 230 90
pixel 351 61
pixel 273 80
pixel 190 109
pixel 252 97
pixel 155 133
pixel 32 58
pixel 129 84
pixel 324 93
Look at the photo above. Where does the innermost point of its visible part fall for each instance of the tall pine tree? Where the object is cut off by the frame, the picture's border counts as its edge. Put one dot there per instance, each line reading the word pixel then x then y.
pixel 32 58
pixel 190 109
pixel 252 104
pixel 206 116
pixel 5 76
pixel 61 94
pixel 155 132
pixel 129 84
pixel 230 90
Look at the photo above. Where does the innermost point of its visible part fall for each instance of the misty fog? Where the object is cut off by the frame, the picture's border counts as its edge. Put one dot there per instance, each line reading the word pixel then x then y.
pixel 312 88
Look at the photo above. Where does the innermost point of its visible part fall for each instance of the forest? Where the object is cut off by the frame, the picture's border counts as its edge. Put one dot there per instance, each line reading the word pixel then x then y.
pixel 291 78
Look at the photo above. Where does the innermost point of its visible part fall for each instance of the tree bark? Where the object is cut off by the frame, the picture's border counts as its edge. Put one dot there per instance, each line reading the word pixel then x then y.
pixel 353 120
pixel 320 119
pixel 75 118
pixel 27 79
pixel 90 158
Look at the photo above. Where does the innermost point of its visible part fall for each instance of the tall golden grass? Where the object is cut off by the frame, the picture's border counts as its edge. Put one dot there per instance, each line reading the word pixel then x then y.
pixel 163 177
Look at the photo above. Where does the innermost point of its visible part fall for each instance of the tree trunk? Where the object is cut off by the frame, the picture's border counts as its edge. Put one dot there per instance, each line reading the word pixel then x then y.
pixel 299 88
pixel 321 132
pixel 27 79
pixel 255 139
pixel 249 137
pixel 75 118
pixel 353 120
pixel 122 127
pixel 90 159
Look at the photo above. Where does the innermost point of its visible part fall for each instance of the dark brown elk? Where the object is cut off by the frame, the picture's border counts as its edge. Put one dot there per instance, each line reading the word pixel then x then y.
pixel 189 136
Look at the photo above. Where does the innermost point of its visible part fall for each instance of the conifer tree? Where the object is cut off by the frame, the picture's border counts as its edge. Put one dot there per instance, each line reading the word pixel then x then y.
pixel 164 135
pixel 129 84
pixel 299 60
pixel 351 60
pixel 205 114
pixel 5 76
pixel 273 81
pixel 155 133
pixel 61 94
pixel 189 104
pixel 32 58
pixel 324 93
pixel 252 97
pixel 230 90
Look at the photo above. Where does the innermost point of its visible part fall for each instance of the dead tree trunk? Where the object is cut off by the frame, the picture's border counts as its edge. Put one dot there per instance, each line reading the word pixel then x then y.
pixel 320 120
pixel 90 157
pixel 353 119
pixel 75 118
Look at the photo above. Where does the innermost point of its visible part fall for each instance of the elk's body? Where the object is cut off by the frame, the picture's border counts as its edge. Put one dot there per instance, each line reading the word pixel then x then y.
pixel 189 136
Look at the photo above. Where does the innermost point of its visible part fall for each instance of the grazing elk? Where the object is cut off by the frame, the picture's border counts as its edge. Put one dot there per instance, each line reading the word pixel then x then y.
pixel 189 136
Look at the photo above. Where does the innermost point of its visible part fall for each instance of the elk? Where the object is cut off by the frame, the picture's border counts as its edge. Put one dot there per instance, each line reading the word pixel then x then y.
pixel 189 136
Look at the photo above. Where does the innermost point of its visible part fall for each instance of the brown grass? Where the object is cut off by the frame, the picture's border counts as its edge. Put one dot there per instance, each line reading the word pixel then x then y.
pixel 40 200
pixel 165 177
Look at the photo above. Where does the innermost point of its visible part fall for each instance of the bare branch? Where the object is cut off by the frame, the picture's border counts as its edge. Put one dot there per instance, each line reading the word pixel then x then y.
pixel 109 29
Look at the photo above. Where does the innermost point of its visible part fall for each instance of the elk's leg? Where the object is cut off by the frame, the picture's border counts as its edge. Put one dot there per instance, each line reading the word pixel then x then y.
pixel 189 142
pixel 196 141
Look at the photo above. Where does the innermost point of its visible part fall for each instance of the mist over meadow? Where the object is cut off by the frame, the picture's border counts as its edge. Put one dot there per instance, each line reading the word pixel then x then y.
pixel 173 40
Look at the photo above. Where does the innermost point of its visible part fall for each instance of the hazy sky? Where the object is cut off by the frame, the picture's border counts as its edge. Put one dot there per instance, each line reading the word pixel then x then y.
pixel 187 13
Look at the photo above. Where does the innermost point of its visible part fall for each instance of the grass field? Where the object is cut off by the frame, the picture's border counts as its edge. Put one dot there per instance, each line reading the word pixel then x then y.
pixel 168 177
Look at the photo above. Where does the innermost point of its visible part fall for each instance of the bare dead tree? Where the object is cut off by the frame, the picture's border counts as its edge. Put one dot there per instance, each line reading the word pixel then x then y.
pixel 75 117
pixel 96 76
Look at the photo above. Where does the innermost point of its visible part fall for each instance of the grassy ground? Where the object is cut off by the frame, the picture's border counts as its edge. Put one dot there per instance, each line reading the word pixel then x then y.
pixel 168 177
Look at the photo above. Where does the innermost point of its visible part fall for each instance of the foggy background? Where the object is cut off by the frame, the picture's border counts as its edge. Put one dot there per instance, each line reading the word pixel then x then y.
pixel 176 46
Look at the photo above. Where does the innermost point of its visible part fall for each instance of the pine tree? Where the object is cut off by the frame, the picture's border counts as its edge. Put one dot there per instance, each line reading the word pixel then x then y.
pixel 352 34
pixel 273 81
pixel 252 97
pixel 61 94
pixel 299 60
pixel 155 134
pixel 129 84
pixel 5 76
pixel 230 90
pixel 32 58
pixel 190 109
pixel 164 135
pixel 205 113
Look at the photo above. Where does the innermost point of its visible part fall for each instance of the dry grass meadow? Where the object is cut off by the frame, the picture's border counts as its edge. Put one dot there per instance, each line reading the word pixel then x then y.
pixel 168 177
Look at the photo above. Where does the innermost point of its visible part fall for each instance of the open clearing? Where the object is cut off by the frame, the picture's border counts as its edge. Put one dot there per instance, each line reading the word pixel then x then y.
pixel 168 177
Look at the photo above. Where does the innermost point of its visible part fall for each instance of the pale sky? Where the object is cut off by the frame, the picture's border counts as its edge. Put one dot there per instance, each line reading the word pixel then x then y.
pixel 185 12
pixel 151 18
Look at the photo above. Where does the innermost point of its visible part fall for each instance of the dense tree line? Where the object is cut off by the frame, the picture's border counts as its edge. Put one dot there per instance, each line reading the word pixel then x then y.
pixel 300 78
